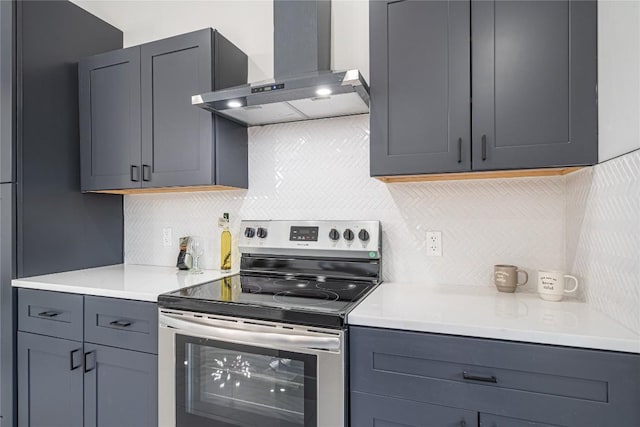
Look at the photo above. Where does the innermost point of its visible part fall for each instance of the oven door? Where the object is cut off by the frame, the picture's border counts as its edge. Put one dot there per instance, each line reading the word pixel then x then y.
pixel 219 371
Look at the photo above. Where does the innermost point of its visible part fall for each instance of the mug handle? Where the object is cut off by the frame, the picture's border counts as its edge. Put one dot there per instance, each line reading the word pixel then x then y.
pixel 526 277
pixel 575 279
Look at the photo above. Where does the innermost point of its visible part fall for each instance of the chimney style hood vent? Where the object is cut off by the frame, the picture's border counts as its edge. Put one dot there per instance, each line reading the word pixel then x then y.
pixel 303 88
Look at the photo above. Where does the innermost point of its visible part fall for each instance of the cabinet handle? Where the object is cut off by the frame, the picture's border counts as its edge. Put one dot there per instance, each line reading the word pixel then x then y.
pixel 463 423
pixel 135 173
pixel 86 363
pixel 72 357
pixel 120 323
pixel 49 314
pixel 459 150
pixel 484 147
pixel 146 173
pixel 483 378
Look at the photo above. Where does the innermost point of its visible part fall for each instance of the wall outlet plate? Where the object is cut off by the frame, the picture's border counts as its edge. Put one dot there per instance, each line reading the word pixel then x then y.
pixel 167 236
pixel 434 243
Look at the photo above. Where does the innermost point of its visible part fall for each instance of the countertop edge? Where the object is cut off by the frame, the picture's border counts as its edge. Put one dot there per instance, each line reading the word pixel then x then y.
pixel 533 336
pixel 98 292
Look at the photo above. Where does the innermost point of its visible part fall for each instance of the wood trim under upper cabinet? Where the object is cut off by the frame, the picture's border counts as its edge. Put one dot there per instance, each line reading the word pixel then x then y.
pixel 169 189
pixel 479 175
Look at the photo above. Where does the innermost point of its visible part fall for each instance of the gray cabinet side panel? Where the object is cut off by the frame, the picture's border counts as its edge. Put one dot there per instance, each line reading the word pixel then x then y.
pixel 7 100
pixel 60 229
pixel 49 390
pixel 231 154
pixel 177 137
pixel 534 84
pixel 230 64
pixel 121 388
pixel 7 312
pixel 420 86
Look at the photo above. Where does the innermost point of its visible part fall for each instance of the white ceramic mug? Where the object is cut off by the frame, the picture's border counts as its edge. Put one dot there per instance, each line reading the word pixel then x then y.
pixel 552 285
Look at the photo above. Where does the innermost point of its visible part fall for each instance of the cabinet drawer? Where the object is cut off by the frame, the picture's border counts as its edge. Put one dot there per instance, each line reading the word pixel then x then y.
pixel 369 410
pixel 55 314
pixel 551 384
pixel 121 323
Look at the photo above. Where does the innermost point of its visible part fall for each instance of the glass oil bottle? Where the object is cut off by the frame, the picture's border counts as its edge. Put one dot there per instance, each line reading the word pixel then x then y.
pixel 225 244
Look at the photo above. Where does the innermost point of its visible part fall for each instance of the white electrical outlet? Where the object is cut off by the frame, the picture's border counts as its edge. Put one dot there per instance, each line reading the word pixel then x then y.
pixel 167 236
pixel 434 243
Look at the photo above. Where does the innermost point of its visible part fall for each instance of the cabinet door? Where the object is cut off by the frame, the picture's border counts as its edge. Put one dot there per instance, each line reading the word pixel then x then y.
pixel 109 89
pixel 534 84
pixel 121 388
pixel 49 381
pixel 369 410
pixel 420 87
pixel 177 137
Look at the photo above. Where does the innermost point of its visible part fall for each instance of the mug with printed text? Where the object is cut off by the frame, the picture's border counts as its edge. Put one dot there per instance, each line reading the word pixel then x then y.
pixel 552 285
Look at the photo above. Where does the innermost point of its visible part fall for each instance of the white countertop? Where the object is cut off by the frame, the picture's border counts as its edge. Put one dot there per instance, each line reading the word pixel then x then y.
pixel 137 282
pixel 482 311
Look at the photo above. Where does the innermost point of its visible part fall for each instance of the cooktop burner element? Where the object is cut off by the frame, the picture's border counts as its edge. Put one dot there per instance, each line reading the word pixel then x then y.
pixel 315 296
pixel 298 272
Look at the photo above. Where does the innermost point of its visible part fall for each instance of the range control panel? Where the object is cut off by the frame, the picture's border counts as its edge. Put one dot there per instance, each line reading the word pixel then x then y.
pixel 361 239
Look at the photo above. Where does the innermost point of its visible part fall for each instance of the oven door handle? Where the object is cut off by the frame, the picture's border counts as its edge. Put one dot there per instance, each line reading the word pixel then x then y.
pixel 252 338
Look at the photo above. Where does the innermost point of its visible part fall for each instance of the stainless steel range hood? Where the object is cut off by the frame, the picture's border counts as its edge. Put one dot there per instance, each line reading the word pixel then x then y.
pixel 303 88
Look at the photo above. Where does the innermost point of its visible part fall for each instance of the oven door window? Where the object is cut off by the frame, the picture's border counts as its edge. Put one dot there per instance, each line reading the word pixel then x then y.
pixel 226 384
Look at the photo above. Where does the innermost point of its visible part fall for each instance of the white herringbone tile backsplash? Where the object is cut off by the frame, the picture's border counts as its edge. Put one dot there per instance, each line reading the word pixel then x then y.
pixel 320 170
pixel 603 236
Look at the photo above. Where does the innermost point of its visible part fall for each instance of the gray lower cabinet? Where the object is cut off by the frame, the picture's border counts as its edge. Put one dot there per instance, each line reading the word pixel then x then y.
pixel 138 127
pixel 368 410
pixel 121 387
pixel 532 103
pixel 501 383
pixel 50 381
pixel 98 378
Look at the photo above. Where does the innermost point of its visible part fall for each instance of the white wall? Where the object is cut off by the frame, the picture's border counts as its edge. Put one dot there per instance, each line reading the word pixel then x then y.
pixel 247 23
pixel 618 77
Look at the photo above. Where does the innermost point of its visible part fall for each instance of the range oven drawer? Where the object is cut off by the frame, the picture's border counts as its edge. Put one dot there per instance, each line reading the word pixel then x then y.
pixel 127 324
pixel 55 314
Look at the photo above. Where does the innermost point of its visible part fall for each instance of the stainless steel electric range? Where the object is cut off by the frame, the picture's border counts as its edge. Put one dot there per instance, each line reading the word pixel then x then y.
pixel 267 347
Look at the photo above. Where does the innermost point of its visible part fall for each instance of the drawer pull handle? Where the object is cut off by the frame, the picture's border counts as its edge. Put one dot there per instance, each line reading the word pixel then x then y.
pixel 146 173
pixel 484 147
pixel 73 357
pixel 120 323
pixel 483 378
pixel 49 314
pixel 88 368
pixel 459 150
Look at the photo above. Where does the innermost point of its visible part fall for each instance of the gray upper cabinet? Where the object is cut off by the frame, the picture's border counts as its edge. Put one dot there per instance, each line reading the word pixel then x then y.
pixel 109 91
pixel 166 142
pixel 534 84
pixel 176 137
pixel 480 85
pixel 420 86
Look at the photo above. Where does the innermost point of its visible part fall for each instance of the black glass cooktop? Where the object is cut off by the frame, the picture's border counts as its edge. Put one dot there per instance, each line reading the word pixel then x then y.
pixel 319 301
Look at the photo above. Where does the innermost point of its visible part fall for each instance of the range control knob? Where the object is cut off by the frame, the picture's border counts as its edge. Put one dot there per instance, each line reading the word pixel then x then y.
pixel 363 235
pixel 261 233
pixel 348 234
pixel 249 232
pixel 334 234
